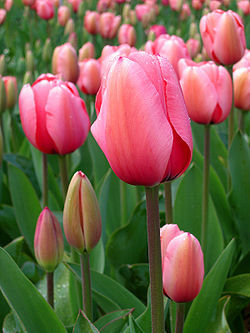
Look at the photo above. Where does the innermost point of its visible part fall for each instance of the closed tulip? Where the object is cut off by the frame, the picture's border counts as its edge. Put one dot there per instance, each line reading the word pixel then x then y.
pixel 87 51
pixel 127 34
pixel 2 15
pixel 63 15
pixel 11 91
pixel 48 241
pixel 223 36
pixel 207 90
pixel 157 30
pixel 65 62
pixel 91 22
pixel 90 76
pixel 183 268
pixel 81 215
pixel 109 24
pixel 194 47
pixel 142 124
pixel 53 116
pixel 44 9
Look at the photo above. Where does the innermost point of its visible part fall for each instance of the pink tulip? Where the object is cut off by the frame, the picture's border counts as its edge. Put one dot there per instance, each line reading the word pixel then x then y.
pixel 63 15
pixel 91 22
pixel 142 124
pixel 127 34
pixel 175 5
pixel 157 30
pixel 193 46
pixel 8 4
pixel 90 76
pixel 75 4
pixel 183 268
pixel 197 4
pixel 223 36
pixel 104 5
pixel 87 51
pixel 48 241
pixel 185 11
pixel 29 2
pixel 65 62
pixel 44 9
pixel 109 24
pixel 2 15
pixel 241 81
pixel 53 116
pixel 244 6
pixel 215 4
pixel 10 84
pixel 207 90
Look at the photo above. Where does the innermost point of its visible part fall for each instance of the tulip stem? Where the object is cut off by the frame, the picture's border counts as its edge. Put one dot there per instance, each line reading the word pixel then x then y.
pixel 123 200
pixel 64 174
pixel 231 114
pixel 45 180
pixel 154 255
pixel 180 314
pixel 50 288
pixel 86 285
pixel 241 121
pixel 205 187
pixel 168 203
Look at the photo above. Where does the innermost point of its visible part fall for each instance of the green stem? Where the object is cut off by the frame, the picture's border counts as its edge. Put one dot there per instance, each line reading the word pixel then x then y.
pixel 231 114
pixel 50 288
pixel 180 313
pixel 45 180
pixel 241 121
pixel 86 285
pixel 205 187
pixel 154 255
pixel 168 203
pixel 123 201
pixel 63 174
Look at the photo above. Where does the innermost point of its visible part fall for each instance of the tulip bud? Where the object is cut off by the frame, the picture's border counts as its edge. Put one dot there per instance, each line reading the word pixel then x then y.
pixel 81 215
pixel 2 15
pixel 69 27
pixel 2 64
pixel 11 91
pixel 28 78
pixel 133 18
pixel 47 51
pixel 2 96
pixel 87 51
pixel 183 268
pixel 73 40
pixel 63 15
pixel 48 242
pixel 29 59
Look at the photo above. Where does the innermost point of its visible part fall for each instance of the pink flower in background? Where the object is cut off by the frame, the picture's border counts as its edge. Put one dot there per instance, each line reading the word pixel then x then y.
pixel 244 5
pixel 10 84
pixel 87 51
pixel 194 47
pixel 185 11
pixel 89 80
pixel 157 30
pixel 8 4
pixel 53 116
pixel 241 82
pixel 207 90
pixel 109 24
pixel 91 22
pixel 142 124
pixel 127 34
pixel 214 4
pixel 75 4
pixel 44 9
pixel 2 15
pixel 223 36
pixel 63 15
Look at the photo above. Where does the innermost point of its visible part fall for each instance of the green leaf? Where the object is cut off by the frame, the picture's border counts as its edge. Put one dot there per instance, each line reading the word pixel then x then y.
pixel 32 309
pixel 97 258
pixel 238 285
pixel 128 244
pixel 219 323
pixel 11 324
pixel 25 202
pixel 203 306
pixel 133 326
pixel 14 248
pixel 111 289
pixel 239 161
pixel 106 304
pixel 8 221
pixel 114 321
pixel 83 324
pixel 188 214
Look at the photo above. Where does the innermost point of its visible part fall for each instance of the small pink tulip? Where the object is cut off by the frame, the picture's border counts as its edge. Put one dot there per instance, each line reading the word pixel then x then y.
pixel 185 11
pixel 2 15
pixel 214 4
pixel 244 6
pixel 223 36
pixel 48 242
pixel 63 15
pixel 81 214
pixel 194 47
pixel 158 30
pixel 104 5
pixel 75 4
pixel 207 90
pixel 197 4
pixel 53 116
pixel 127 34
pixel 8 4
pixel 90 76
pixel 29 2
pixel 44 9
pixel 175 5
pixel 142 124
pixel 109 24
pixel 87 51
pixel 183 268
pixel 65 62
pixel 91 22
pixel 10 83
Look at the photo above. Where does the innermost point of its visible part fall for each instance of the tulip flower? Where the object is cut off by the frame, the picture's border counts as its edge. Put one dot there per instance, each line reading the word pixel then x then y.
pixel 2 15
pixel 75 4
pixel 142 124
pixel 90 76
pixel 244 6
pixel 87 51
pixel 8 4
pixel 104 5
pixel 44 9
pixel 185 11
pixel 11 91
pixel 109 24
pixel 157 30
pixel 127 35
pixel 53 116
pixel 223 36
pixel 183 268
pixel 63 15
pixel 48 241
pixel 193 46
pixel 64 62
pixel 91 22
pixel 81 215
pixel 207 90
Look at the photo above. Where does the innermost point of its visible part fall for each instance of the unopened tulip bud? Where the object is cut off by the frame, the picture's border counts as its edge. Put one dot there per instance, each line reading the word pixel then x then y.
pixel 2 96
pixel 69 27
pixel 133 18
pixel 193 29
pixel 183 268
pixel 29 59
pixel 2 15
pixel 48 242
pixel 11 91
pixel 47 51
pixel 28 78
pixel 81 215
pixel 87 51
pixel 63 15
pixel 126 12
pixel 81 9
pixel 2 64
pixel 73 40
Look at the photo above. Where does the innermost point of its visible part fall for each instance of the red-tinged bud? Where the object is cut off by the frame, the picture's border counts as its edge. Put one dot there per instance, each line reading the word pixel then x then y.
pixel 48 242
pixel 2 15
pixel 73 40
pixel 2 64
pixel 11 91
pixel 69 27
pixel 81 215
pixel 2 96
pixel 87 51
pixel 63 15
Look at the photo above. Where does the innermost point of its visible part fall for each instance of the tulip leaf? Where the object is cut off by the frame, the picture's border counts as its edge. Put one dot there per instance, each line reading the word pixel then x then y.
pixel 114 321
pixel 97 258
pixel 25 202
pixel 4 309
pixel 202 309
pixel 8 221
pixel 83 324
pixel 238 285
pixel 111 289
pixel 188 214
pixel 12 324
pixel 32 309
pixel 133 326
pixel 105 303
pixel 14 248
pixel 219 322
pixel 239 198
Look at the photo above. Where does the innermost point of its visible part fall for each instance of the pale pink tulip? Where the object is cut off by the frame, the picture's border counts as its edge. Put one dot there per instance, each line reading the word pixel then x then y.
pixel 241 82
pixel 109 24
pixel 127 34
pixel 89 80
